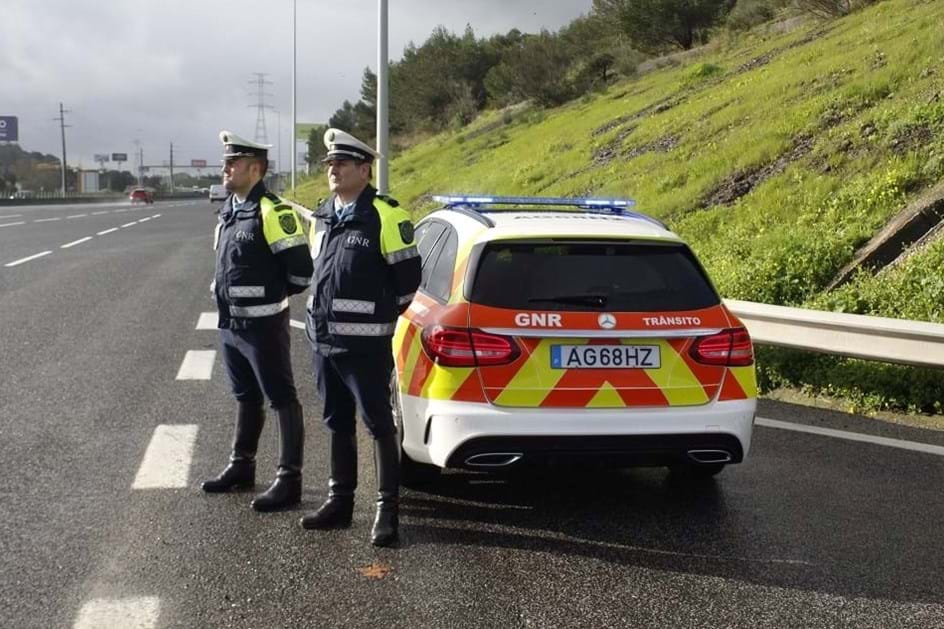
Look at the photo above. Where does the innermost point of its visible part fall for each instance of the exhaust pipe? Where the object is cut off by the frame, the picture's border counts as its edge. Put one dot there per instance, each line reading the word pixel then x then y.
pixel 493 459
pixel 709 456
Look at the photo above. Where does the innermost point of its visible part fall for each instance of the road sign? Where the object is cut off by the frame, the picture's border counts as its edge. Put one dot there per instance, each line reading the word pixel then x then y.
pixel 99 157
pixel 198 163
pixel 8 129
pixel 119 157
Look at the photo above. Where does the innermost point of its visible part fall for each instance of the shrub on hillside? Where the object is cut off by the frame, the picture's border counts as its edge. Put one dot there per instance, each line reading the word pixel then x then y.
pixel 747 14
pixel 863 385
pixel 829 9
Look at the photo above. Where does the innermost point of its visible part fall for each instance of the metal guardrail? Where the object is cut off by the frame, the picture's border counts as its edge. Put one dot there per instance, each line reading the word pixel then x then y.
pixel 872 338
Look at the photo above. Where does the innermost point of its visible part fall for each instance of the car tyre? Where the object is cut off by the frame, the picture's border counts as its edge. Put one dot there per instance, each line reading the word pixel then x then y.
pixel 412 473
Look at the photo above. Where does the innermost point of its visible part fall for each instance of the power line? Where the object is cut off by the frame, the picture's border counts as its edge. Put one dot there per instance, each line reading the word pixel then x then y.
pixel 62 128
pixel 261 105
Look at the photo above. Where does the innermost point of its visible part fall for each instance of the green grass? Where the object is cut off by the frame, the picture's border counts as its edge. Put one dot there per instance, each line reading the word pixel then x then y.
pixel 845 121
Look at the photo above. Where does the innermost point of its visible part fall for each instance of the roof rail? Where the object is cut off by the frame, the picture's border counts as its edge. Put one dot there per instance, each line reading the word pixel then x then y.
pixel 481 203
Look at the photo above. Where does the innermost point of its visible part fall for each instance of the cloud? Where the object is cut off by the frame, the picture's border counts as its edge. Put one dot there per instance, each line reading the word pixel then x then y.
pixel 178 71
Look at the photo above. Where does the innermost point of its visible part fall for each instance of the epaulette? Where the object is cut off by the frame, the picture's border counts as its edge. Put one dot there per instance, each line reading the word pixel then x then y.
pixel 389 200
pixel 279 204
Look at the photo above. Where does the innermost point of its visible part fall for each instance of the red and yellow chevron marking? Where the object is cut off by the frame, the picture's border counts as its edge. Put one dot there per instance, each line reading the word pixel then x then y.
pixel 531 382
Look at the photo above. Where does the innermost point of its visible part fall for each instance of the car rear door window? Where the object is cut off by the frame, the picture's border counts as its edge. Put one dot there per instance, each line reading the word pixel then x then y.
pixel 427 233
pixel 621 276
pixel 438 282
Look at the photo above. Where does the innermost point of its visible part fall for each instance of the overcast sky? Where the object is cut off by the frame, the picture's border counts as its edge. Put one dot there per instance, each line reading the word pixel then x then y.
pixel 179 71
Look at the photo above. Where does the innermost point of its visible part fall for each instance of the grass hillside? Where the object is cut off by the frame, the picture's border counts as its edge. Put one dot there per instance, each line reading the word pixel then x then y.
pixel 776 155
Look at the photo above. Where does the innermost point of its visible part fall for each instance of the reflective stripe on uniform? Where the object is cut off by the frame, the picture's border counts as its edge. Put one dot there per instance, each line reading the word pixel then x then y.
pixel 353 305
pixel 288 243
pixel 401 255
pixel 246 291
pixel 361 329
pixel 264 310
pixel 299 281
pixel 405 299
pixel 311 302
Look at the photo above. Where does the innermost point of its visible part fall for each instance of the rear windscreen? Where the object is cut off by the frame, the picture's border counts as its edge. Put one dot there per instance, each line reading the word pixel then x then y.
pixel 591 276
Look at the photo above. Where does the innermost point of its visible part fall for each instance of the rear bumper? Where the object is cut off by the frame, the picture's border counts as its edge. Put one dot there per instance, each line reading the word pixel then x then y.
pixel 449 434
pixel 619 450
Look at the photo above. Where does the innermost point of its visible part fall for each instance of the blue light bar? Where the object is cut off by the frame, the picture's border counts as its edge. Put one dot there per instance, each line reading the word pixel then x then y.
pixel 472 200
pixel 612 207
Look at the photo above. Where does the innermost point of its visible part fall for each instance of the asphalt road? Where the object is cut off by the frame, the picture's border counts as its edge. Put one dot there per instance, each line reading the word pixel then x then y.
pixel 811 531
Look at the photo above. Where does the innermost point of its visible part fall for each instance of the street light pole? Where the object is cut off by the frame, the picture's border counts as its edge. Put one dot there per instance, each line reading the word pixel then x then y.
pixel 294 59
pixel 278 147
pixel 382 116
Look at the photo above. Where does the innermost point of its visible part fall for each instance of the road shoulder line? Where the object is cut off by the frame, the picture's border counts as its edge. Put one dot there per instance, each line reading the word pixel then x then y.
pixel 901 444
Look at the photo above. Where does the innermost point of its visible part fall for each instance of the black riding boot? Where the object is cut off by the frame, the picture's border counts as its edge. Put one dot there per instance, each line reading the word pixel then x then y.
pixel 241 471
pixel 387 464
pixel 287 488
pixel 338 509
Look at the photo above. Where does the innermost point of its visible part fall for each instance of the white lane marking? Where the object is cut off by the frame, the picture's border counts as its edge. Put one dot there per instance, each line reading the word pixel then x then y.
pixel 197 365
pixel 134 613
pixel 852 436
pixel 48 220
pixel 124 210
pixel 3 218
pixel 156 216
pixel 296 324
pixel 27 259
pixel 129 224
pixel 12 224
pixel 107 231
pixel 166 462
pixel 101 212
pixel 76 242
pixel 77 216
pixel 208 321
pixel 145 219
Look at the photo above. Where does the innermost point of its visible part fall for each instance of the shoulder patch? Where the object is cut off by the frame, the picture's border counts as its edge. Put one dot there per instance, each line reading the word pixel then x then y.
pixel 288 223
pixel 388 200
pixel 406 232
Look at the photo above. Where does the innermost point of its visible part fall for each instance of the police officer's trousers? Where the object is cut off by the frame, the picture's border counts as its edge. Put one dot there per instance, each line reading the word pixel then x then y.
pixel 258 361
pixel 350 381
pixel 258 364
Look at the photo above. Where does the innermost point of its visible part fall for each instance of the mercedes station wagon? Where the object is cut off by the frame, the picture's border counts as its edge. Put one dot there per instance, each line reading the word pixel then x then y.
pixel 551 330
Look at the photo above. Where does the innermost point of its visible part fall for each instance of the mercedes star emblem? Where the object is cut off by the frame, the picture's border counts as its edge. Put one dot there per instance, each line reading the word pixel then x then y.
pixel 606 321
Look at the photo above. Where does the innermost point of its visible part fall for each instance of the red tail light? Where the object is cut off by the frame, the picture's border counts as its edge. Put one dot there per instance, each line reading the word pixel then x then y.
pixel 462 347
pixel 730 348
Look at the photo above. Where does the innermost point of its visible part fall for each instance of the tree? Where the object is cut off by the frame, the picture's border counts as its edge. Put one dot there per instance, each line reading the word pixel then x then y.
pixel 344 118
pixel 655 26
pixel 537 68
pixel 316 147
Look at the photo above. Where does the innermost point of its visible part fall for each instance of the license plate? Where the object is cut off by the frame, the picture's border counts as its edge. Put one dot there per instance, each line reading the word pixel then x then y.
pixel 605 357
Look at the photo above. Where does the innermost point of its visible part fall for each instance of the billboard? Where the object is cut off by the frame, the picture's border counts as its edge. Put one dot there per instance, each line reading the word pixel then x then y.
pixel 99 157
pixel 8 129
pixel 198 163
pixel 119 157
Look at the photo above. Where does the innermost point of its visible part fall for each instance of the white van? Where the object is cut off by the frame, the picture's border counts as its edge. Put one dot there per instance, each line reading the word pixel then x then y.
pixel 218 192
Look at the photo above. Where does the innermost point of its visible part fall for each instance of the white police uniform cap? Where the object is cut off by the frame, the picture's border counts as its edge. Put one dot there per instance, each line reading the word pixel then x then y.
pixel 343 145
pixel 235 146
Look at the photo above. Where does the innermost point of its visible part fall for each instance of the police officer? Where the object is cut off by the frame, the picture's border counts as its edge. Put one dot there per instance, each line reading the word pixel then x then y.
pixel 366 270
pixel 262 257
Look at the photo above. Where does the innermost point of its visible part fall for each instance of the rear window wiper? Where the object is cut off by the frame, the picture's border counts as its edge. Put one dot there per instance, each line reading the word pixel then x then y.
pixel 598 301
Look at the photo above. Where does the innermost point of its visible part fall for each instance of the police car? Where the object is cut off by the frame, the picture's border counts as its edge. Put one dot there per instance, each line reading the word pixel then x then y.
pixel 554 329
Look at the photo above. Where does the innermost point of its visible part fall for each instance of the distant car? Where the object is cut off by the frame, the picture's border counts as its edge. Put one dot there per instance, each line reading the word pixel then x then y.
pixel 550 334
pixel 218 192
pixel 140 195
pixel 22 194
